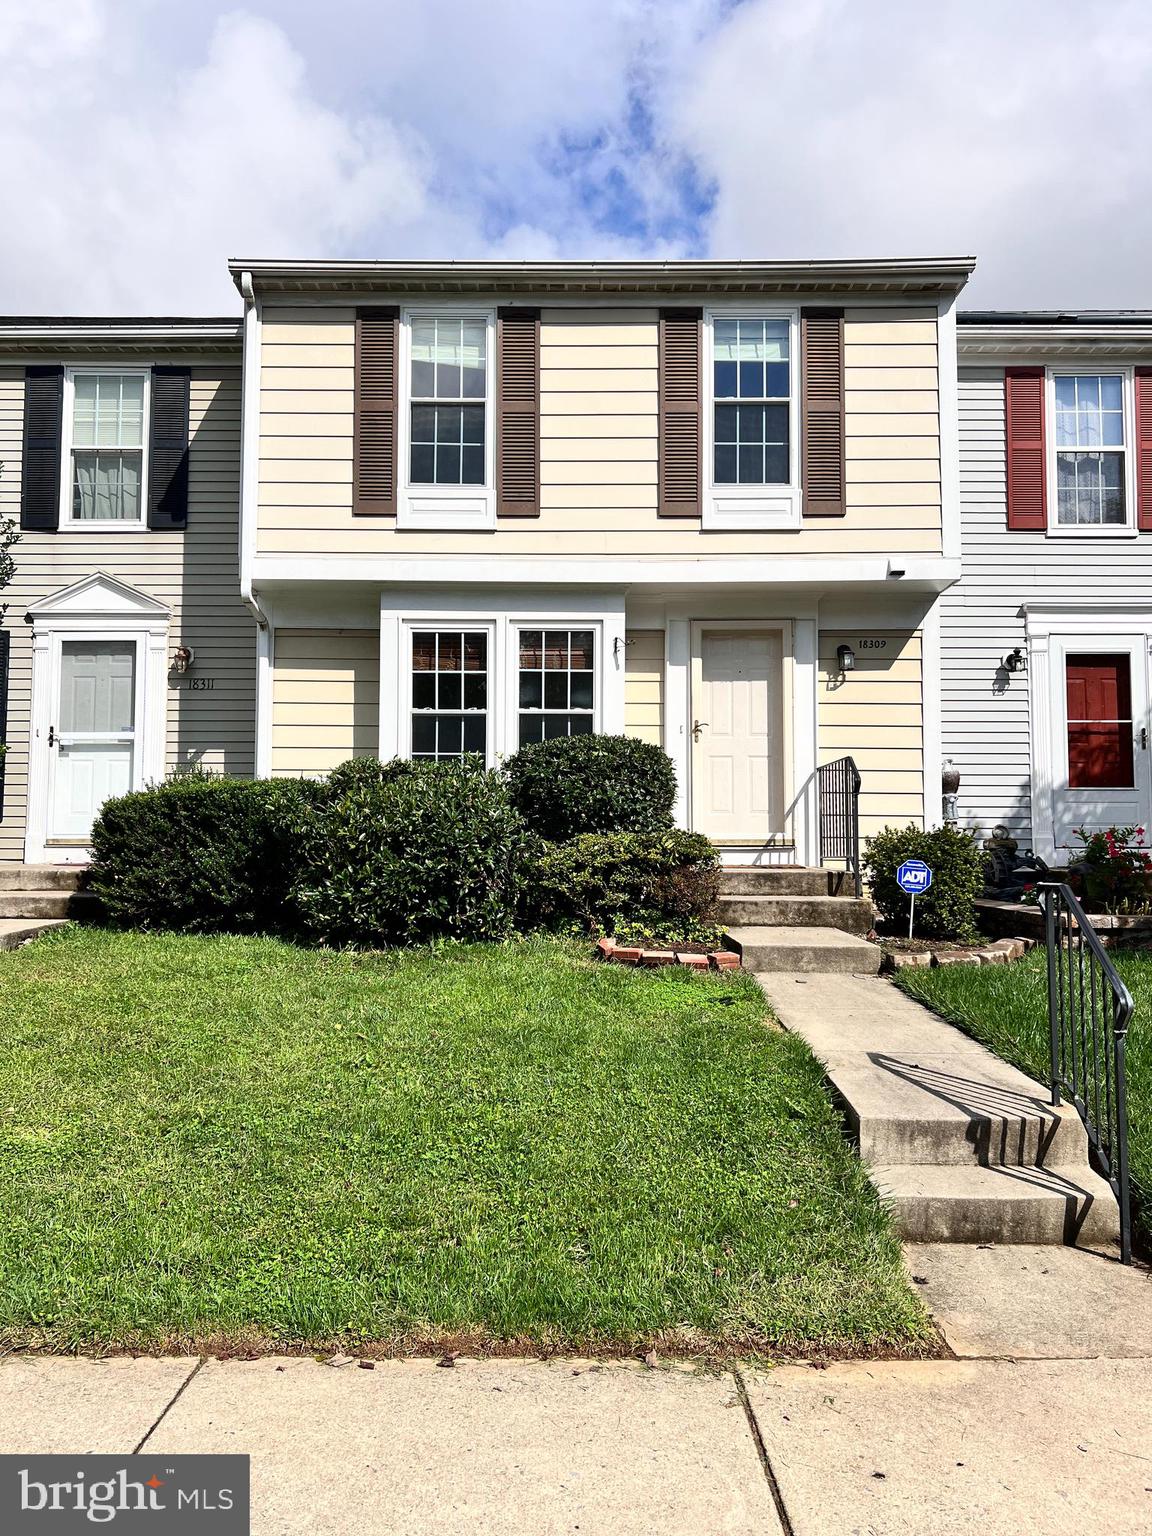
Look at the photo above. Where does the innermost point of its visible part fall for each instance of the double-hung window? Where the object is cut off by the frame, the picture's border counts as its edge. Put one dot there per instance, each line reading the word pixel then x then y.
pixel 1090 438
pixel 751 392
pixel 449 390
pixel 449 692
pixel 107 430
pixel 556 683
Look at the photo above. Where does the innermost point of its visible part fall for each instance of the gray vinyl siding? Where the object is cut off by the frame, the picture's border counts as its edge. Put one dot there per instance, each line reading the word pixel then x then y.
pixel 193 571
pixel 985 712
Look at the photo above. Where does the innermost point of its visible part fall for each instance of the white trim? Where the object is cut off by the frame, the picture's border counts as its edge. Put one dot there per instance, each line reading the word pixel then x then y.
pixel 265 649
pixel 928 573
pixel 1056 529
pixel 931 667
pixel 462 508
pixel 949 402
pixel 67 427
pixel 728 508
pixel 250 444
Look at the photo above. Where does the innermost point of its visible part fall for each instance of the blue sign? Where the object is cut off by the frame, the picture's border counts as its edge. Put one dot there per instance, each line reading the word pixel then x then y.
pixel 913 877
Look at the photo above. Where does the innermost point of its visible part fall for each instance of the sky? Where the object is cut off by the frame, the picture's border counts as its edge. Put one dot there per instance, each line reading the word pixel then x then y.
pixel 144 142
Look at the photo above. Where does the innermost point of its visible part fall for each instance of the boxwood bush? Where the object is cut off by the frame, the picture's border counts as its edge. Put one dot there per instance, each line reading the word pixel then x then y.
pixel 664 881
pixel 578 784
pixel 393 854
pixel 197 854
pixel 945 910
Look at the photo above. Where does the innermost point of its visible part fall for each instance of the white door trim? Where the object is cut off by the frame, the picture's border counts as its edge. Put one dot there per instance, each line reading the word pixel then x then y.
pixel 77 615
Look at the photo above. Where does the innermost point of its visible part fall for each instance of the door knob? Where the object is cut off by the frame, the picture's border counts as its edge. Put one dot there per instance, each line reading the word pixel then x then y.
pixel 51 735
pixel 697 727
pixel 1144 738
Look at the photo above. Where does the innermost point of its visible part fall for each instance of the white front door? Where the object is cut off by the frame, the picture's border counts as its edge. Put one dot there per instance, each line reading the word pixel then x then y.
pixel 93 735
pixel 738 734
pixel 1101 775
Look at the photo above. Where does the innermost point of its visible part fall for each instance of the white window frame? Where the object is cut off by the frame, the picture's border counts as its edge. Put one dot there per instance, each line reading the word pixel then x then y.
pixel 448 625
pixel 734 507
pixel 568 625
pixel 463 508
pixel 1056 529
pixel 105 524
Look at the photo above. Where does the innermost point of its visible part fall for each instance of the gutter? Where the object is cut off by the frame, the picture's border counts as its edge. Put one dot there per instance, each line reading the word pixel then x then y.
pixel 249 510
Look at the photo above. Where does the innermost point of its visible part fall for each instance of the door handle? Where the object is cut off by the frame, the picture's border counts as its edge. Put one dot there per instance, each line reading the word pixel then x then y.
pixel 51 735
pixel 697 727
pixel 1144 738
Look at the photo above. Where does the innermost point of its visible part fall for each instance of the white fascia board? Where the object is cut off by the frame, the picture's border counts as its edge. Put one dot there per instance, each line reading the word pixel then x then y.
pixel 921 573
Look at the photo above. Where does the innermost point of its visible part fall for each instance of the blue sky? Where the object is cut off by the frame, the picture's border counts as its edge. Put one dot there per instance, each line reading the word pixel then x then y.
pixel 144 142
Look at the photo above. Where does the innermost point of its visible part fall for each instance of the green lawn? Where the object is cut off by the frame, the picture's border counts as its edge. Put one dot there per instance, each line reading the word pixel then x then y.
pixel 1006 1006
pixel 215 1141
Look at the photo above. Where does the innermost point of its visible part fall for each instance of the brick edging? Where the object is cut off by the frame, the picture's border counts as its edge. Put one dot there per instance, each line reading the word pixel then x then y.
pixel 997 953
pixel 623 954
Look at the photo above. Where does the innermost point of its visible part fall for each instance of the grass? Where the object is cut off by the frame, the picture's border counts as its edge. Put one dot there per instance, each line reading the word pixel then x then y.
pixel 228 1142
pixel 1006 1006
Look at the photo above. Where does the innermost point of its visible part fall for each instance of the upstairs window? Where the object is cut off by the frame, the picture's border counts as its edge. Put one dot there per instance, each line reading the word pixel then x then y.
pixel 751 390
pixel 449 386
pixel 107 434
pixel 1090 445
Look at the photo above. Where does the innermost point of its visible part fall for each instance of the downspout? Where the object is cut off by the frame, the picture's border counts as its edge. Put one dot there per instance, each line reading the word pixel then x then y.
pixel 249 509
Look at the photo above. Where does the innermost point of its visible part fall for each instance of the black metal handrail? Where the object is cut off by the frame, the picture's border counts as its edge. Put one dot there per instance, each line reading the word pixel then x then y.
pixel 1089 1010
pixel 838 786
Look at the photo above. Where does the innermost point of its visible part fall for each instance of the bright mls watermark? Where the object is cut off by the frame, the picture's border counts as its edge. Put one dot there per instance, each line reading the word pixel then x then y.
pixel 58 1495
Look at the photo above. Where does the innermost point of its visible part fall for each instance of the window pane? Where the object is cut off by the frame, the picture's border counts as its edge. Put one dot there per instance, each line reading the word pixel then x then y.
pixel 423 423
pixel 555 690
pixel 1066 394
pixel 531 729
pixel 725 340
pixel 423 690
pixel 423 379
pixel 725 464
pixel 556 648
pixel 472 466
pixel 472 418
pixel 554 726
pixel 97 685
pixel 531 690
pixel 726 423
pixel 751 465
pixel 581 690
pixel 1112 429
pixel 449 690
pixel 448 464
pixel 475 733
pixel 423 652
pixel 449 652
pixel 449 735
pixel 581 649
pixel 476 651
pixel 423 735
pixel 475 691
pixel 775 465
pixel 580 725
pixel 531 647
pixel 423 464
pixel 106 486
pixel 751 424
pixel 776 381
pixel 447 381
pixel 724 375
pixel 751 380
pixel 1112 393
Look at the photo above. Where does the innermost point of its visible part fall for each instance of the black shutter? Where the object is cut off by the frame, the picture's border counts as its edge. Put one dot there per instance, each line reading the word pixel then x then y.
pixel 168 448
pixel 5 651
pixel 40 473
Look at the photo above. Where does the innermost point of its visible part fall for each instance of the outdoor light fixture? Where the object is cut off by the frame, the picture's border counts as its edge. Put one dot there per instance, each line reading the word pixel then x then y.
pixel 845 658
pixel 182 658
pixel 1015 661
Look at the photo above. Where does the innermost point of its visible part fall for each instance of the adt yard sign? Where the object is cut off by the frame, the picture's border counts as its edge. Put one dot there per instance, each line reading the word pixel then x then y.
pixel 913 877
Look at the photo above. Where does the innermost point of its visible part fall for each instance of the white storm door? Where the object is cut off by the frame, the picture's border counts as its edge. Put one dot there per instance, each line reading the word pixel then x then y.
pixel 94 737
pixel 738 735
pixel 1101 777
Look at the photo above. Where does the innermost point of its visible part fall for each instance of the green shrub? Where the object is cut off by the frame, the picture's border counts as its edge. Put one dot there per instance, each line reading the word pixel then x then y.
pixel 197 854
pixel 661 881
pixel 577 784
pixel 367 770
pixel 945 910
pixel 401 855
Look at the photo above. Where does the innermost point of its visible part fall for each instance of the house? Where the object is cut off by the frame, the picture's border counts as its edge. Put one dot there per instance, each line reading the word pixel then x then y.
pixel 1046 637
pixel 120 459
pixel 710 504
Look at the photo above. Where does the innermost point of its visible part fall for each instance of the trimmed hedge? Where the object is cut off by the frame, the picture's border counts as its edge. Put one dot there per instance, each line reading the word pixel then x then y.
pixel 399 854
pixel 578 784
pixel 945 910
pixel 664 881
pixel 197 854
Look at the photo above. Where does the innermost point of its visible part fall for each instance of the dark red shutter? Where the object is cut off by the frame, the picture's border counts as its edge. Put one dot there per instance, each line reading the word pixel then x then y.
pixel 1144 449
pixel 518 413
pixel 1024 424
pixel 375 409
pixel 679 404
pixel 822 398
pixel 168 419
pixel 40 467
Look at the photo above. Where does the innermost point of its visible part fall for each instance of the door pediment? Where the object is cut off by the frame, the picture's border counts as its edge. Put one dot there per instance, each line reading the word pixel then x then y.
pixel 100 596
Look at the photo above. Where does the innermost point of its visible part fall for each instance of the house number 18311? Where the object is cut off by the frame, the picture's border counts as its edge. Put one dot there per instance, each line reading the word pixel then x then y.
pixel 201 684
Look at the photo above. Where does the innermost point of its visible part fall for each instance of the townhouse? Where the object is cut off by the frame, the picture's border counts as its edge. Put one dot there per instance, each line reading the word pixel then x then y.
pixel 439 507
pixel 1046 637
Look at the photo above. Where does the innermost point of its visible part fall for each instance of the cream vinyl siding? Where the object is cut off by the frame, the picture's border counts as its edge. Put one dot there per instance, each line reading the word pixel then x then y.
pixel 875 714
pixel 192 571
pixel 325 699
pixel 644 685
pixel 598 425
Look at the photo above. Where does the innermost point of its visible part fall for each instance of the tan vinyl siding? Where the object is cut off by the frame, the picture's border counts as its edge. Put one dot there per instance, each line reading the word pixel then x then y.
pixel 598 445
pixel 192 571
pixel 875 714
pixel 644 685
pixel 325 698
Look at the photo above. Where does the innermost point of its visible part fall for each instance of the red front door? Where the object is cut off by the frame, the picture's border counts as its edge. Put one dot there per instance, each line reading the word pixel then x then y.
pixel 1100 725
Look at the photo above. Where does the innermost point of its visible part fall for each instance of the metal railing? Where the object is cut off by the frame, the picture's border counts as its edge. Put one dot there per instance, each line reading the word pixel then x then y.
pixel 1089 1010
pixel 838 787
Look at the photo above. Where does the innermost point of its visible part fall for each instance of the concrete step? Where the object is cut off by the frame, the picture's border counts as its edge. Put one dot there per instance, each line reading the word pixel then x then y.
pixel 15 931
pixel 59 904
pixel 42 877
pixel 783 880
pixel 1059 1204
pixel 808 950
pixel 843 912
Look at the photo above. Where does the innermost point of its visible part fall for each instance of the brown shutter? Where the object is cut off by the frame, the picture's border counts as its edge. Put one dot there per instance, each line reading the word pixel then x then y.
pixel 1024 424
pixel 822 401
pixel 681 471
pixel 40 473
pixel 518 413
pixel 375 411
pixel 168 448
pixel 1144 449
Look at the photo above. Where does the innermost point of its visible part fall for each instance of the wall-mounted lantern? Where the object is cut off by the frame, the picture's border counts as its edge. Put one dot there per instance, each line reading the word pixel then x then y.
pixel 845 658
pixel 1015 661
pixel 183 659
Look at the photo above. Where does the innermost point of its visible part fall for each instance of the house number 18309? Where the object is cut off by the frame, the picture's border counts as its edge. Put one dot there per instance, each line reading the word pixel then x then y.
pixel 873 644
